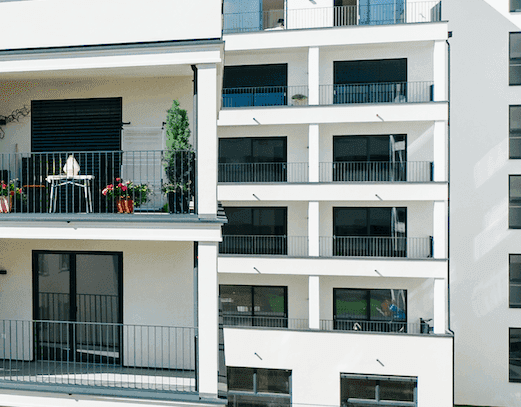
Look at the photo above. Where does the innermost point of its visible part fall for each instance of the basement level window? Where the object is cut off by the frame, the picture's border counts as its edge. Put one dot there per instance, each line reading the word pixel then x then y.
pixel 373 390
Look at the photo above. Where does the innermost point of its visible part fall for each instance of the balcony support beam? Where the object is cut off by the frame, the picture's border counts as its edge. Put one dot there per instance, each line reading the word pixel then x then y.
pixel 440 311
pixel 313 228
pixel 314 302
pixel 208 311
pixel 206 140
pixel 313 152
pixel 440 151
pixel 440 70
pixel 313 75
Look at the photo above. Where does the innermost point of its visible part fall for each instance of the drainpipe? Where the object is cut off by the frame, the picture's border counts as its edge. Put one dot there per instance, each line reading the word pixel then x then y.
pixel 195 122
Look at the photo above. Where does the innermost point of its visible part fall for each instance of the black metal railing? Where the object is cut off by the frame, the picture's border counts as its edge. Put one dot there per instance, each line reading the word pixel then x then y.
pixel 281 245
pixel 397 12
pixel 375 326
pixel 373 171
pixel 376 246
pixel 382 92
pixel 265 96
pixel 98 355
pixel 264 321
pixel 97 182
pixel 263 172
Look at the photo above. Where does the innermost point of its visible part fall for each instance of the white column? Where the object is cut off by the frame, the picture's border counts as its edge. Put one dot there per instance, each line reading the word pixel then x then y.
pixel 314 302
pixel 440 302
pixel 208 318
pixel 313 228
pixel 313 75
pixel 440 151
pixel 314 153
pixel 207 140
pixel 439 229
pixel 439 58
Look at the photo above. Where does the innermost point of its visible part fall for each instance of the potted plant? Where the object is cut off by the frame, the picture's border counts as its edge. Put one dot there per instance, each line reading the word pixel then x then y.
pixel 126 195
pixel 9 193
pixel 178 160
pixel 299 99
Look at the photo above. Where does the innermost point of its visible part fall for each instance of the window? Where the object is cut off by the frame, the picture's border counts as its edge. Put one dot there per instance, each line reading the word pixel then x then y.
pixel 515 280
pixel 370 310
pixel 357 390
pixel 255 85
pixel 514 213
pixel 515 355
pixel 251 159
pixel 258 387
pixel 515 5
pixel 255 230
pixel 515 59
pixel 254 305
pixel 515 132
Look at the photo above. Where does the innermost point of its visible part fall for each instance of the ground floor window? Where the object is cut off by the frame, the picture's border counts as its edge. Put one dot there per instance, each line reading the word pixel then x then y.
pixel 247 305
pixel 248 387
pixel 373 390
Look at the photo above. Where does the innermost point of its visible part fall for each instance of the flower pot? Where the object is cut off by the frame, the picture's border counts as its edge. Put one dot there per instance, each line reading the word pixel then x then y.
pixel 178 202
pixel 125 205
pixel 6 204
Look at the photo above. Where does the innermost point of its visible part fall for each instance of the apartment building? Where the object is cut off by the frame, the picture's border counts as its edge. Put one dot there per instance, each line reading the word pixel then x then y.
pixel 484 177
pixel 99 307
pixel 333 159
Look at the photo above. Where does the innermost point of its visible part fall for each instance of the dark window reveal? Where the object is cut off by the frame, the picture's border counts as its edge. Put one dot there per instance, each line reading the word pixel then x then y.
pixel 515 132
pixel 514 213
pixel 378 390
pixel 515 280
pixel 515 355
pixel 515 59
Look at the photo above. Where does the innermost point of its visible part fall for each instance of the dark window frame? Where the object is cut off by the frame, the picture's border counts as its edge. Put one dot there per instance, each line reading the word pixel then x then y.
pixel 513 203
pixel 513 62
pixel 513 358
pixel 377 401
pixel 513 134
pixel 368 209
pixel 279 322
pixel 513 282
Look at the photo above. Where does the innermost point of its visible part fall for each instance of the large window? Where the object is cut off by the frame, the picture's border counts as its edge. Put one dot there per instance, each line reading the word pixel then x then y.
pixel 255 230
pixel 383 310
pixel 369 158
pixel 515 132
pixel 249 387
pixel 514 213
pixel 515 59
pixel 253 159
pixel 515 355
pixel 255 85
pixel 254 305
pixel 372 390
pixel 515 280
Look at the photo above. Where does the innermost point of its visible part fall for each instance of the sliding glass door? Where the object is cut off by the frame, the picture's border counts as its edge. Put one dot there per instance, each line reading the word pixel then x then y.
pixel 78 305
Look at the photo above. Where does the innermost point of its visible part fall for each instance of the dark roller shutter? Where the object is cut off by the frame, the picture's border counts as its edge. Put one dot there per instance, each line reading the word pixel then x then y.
pixel 76 124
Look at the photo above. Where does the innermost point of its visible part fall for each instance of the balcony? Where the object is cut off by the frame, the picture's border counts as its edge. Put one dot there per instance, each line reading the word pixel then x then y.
pixel 87 182
pixel 329 247
pixel 384 326
pixel 264 172
pixel 396 12
pixel 265 96
pixel 100 358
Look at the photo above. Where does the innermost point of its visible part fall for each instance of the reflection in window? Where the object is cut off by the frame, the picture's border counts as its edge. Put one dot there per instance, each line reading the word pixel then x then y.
pixel 380 390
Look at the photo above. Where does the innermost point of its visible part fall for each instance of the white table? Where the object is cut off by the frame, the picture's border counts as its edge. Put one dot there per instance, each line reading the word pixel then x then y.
pixel 82 181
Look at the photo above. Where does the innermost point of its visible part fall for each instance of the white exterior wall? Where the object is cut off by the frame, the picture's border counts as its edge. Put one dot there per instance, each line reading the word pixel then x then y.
pixel 316 360
pixel 107 22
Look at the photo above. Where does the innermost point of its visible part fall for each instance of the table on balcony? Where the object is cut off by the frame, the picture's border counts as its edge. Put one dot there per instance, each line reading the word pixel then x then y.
pixel 82 181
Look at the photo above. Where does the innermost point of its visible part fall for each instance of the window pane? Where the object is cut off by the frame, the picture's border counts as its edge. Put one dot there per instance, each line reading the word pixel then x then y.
pixel 515 5
pixel 397 391
pixel 515 58
pixel 358 389
pixel 350 222
pixel 240 378
pixel 515 147
pixel 515 354
pixel 257 400
pixel 515 280
pixel 236 299
pixel 269 301
pixel 351 304
pixel 235 150
pixel 269 150
pixel 239 221
pixel 272 381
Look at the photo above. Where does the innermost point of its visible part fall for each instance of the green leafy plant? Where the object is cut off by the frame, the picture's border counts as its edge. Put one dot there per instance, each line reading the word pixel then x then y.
pixel 127 190
pixel 9 188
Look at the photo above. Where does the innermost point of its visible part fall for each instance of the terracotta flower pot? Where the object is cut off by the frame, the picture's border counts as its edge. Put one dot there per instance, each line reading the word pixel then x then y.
pixel 125 205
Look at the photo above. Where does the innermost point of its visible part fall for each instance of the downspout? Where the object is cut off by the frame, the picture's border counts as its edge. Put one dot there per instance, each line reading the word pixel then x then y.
pixel 194 69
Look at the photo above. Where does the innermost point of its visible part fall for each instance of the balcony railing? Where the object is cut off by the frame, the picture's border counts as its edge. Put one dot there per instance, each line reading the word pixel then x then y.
pixel 47 182
pixel 276 245
pixel 397 12
pixel 265 96
pixel 383 92
pixel 380 246
pixel 385 171
pixel 263 172
pixel 389 326
pixel 98 356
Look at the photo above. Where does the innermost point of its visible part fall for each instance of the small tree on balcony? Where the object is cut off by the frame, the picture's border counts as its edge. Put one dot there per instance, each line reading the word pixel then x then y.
pixel 179 162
